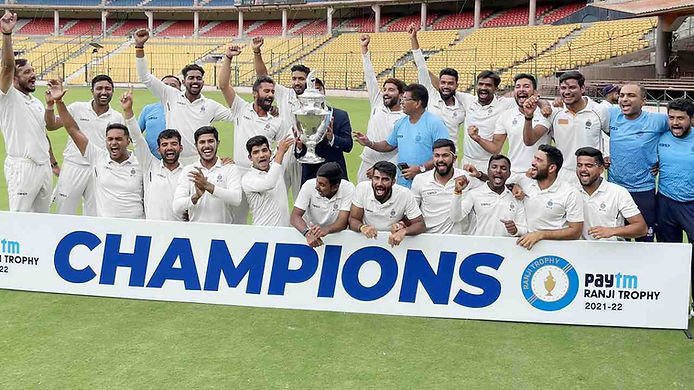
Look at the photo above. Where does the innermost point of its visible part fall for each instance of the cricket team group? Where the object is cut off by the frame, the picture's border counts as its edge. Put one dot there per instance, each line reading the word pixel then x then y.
pixel 575 168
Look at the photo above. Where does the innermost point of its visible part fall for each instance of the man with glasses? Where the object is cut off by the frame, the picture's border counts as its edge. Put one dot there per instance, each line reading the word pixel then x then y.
pixel 413 136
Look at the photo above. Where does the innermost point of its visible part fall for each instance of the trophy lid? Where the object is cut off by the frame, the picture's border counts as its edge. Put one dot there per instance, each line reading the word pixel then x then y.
pixel 311 93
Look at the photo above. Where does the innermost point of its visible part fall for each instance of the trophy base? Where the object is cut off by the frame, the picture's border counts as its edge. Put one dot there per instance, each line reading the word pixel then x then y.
pixel 307 159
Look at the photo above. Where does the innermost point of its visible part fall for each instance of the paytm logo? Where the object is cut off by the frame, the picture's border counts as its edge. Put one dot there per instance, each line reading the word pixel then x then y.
pixel 416 269
pixel 9 247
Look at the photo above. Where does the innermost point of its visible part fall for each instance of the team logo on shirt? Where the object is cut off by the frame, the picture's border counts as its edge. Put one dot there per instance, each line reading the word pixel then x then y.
pixel 515 121
pixel 512 207
pixel 549 283
pixel 132 172
pixel 219 177
pixel 335 206
pixel 588 124
pixel 602 206
pixel 202 108
pixel 392 213
pixel 550 204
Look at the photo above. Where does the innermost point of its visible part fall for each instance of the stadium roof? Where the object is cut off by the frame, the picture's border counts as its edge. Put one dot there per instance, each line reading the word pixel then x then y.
pixel 649 7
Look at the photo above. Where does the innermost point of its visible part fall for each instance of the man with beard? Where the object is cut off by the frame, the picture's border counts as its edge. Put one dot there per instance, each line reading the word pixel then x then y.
pixel 610 92
pixel 605 205
pixel 28 161
pixel 676 183
pixel 208 188
pixel 581 122
pixel 186 111
pixel 382 205
pixel 510 125
pixel 263 185
pixel 442 99
pixel 497 212
pixel 634 135
pixel 76 181
pixel 323 204
pixel 117 173
pixel 288 102
pixel 153 117
pixel 553 208
pixel 160 177
pixel 386 109
pixel 413 136
pixel 249 119
pixel 336 142
pixel 433 190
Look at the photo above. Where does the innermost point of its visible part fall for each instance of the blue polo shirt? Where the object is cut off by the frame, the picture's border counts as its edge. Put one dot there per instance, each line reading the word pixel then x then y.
pixel 633 148
pixel 677 166
pixel 415 140
pixel 152 122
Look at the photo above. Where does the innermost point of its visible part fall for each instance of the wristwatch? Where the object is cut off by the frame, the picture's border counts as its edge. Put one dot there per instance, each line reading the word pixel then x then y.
pixel 422 168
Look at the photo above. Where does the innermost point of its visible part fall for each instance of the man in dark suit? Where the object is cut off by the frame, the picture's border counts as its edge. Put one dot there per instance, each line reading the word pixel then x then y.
pixel 337 141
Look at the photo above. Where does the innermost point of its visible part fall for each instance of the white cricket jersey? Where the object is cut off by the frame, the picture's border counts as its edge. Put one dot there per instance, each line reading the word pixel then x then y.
pixel 511 123
pixel 454 115
pixel 320 210
pixel 211 207
pixel 117 186
pixel 159 181
pixel 609 206
pixel 381 118
pixel 182 114
pixel 23 126
pixel 92 125
pixel 434 200
pixel 267 196
pixel 552 208
pixel 571 131
pixel 247 124
pixel 489 209
pixel 485 118
pixel 383 215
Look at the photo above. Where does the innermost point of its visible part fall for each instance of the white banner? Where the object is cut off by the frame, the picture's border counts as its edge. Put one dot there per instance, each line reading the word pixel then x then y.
pixel 580 282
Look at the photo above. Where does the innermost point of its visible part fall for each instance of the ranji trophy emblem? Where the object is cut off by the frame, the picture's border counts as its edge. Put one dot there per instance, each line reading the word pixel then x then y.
pixel 312 120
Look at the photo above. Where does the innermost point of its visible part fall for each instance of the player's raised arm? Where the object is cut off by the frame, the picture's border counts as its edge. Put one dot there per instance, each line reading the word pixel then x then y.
pixel 7 23
pixel 224 74
pixel 258 63
pixel 57 92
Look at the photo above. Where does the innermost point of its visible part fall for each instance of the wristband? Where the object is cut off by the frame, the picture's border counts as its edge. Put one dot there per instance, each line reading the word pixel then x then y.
pixel 360 227
pixel 139 48
pixel 528 119
pixel 256 52
pixel 305 232
pixel 6 33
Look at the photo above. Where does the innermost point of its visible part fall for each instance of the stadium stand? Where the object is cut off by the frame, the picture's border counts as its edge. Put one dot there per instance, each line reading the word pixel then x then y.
pixel 459 21
pixel 39 27
pixel 598 42
pixel 339 62
pixel 365 24
pixel 224 29
pixel 219 3
pixel 562 12
pixel 90 27
pixel 515 17
pixel 167 3
pixel 89 3
pixel 181 28
pixel 402 23
pixel 123 3
pixel 315 27
pixel 130 26
pixel 272 27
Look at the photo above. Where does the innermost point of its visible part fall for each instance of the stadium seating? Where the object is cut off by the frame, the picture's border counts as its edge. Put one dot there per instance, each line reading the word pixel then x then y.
pixel 515 17
pixel 459 21
pixel 39 27
pixel 315 27
pixel 89 3
pixel 490 48
pixel 181 28
pixel 91 27
pixel 223 29
pixel 219 3
pixel 272 27
pixel 130 26
pixel 168 3
pixel 365 24
pixel 562 12
pixel 123 3
pixel 339 62
pixel 598 42
pixel 402 23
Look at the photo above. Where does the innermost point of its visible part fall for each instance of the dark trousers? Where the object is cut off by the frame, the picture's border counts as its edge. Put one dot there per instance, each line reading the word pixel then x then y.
pixel 674 218
pixel 648 206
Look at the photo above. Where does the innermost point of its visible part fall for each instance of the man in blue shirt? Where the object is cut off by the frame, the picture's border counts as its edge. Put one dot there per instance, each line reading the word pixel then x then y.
pixel 413 135
pixel 676 180
pixel 152 119
pixel 634 135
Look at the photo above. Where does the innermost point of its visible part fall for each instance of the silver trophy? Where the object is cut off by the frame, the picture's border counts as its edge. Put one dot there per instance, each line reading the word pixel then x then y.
pixel 312 120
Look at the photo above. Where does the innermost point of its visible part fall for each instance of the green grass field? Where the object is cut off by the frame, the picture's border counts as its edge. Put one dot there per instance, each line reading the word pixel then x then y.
pixel 70 342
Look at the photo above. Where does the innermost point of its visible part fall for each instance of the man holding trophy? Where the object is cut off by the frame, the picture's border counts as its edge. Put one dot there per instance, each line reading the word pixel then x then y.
pixel 329 141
